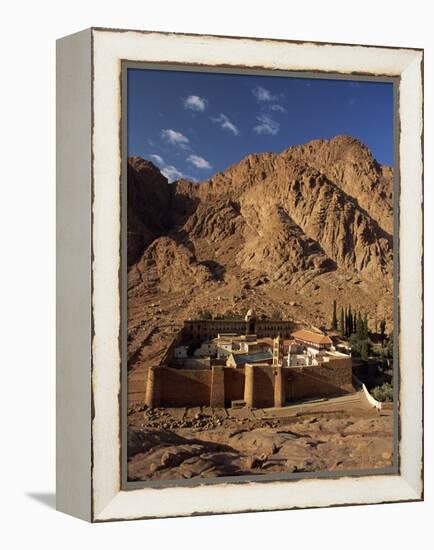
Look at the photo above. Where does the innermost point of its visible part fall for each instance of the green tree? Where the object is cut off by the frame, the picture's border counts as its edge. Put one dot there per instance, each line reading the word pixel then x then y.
pixel 382 329
pixel 346 322
pixel 383 393
pixel 334 317
pixel 365 326
pixel 364 350
pixel 342 322
pixel 360 342
pixel 359 326
pixel 350 322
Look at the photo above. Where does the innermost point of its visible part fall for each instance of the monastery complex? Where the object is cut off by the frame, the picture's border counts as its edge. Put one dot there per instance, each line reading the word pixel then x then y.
pixel 247 363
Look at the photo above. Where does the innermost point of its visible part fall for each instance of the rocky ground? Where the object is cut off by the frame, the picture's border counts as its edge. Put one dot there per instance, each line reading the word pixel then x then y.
pixel 166 444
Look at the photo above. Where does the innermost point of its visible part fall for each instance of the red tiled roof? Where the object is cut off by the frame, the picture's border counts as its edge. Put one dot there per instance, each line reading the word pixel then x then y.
pixel 311 337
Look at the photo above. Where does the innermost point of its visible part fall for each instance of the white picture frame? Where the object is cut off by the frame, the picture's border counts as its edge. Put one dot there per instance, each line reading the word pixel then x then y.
pixel 89 214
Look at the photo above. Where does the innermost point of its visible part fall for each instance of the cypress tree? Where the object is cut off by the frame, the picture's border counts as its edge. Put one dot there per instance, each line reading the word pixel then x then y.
pixel 364 351
pixel 334 317
pixel 382 329
pixel 365 326
pixel 359 330
pixel 346 322
pixel 342 323
pixel 350 322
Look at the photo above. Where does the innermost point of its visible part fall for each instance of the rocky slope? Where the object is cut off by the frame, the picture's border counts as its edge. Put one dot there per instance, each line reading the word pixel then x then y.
pixel 349 163
pixel 165 444
pixel 289 232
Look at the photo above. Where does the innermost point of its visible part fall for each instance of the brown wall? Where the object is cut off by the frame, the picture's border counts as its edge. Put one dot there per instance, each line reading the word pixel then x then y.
pixel 263 392
pixel 234 385
pixel 183 388
pixel 137 386
pixel 332 379
pixel 217 392
pixel 222 385
pixel 338 372
pixel 299 386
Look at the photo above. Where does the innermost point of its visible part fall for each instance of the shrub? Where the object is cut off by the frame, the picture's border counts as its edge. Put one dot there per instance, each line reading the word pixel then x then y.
pixel 360 346
pixel 383 393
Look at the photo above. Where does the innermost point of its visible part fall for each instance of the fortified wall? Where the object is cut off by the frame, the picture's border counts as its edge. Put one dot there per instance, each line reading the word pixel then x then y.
pixel 256 385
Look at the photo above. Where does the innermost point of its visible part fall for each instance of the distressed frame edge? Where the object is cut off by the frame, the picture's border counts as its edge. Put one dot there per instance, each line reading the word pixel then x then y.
pixel 252 38
pixel 125 66
pixel 73 275
pixel 411 150
pixel 110 513
pixel 410 492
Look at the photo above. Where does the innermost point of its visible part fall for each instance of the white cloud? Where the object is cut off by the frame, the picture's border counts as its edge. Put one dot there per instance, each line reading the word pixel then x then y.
pixel 168 170
pixel 277 108
pixel 175 138
pixel 157 159
pixel 226 124
pixel 262 94
pixel 195 103
pixel 199 162
pixel 267 125
pixel 171 173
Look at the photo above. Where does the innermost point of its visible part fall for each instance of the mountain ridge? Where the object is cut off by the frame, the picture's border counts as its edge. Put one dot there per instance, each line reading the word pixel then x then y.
pixel 305 226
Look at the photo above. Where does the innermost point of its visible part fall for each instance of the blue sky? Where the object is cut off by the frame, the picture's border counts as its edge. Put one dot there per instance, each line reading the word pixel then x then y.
pixel 194 124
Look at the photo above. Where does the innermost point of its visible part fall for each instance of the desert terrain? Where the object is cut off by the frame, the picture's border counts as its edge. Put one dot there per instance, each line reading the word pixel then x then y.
pixel 283 233
pixel 165 444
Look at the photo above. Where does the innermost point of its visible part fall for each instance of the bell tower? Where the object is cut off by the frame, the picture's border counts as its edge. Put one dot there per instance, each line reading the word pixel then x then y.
pixel 277 351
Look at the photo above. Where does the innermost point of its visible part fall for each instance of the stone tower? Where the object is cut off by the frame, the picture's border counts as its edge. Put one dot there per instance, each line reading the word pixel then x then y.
pixel 277 351
pixel 279 384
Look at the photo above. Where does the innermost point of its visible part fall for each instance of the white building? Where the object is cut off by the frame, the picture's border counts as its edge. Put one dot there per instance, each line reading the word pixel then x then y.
pixel 313 342
pixel 306 352
pixel 206 349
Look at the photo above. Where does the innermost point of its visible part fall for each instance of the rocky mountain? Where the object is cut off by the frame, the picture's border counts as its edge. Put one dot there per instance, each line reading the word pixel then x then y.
pixel 302 227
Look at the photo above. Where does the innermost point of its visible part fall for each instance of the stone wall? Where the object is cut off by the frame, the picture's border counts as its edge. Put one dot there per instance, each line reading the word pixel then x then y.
pixel 217 392
pixel 137 382
pixel 330 379
pixel 234 384
pixel 179 388
pixel 338 371
pixel 257 385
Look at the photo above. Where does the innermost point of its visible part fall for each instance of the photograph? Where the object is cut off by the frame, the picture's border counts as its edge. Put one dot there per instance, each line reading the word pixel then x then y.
pixel 216 235
pixel 260 278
